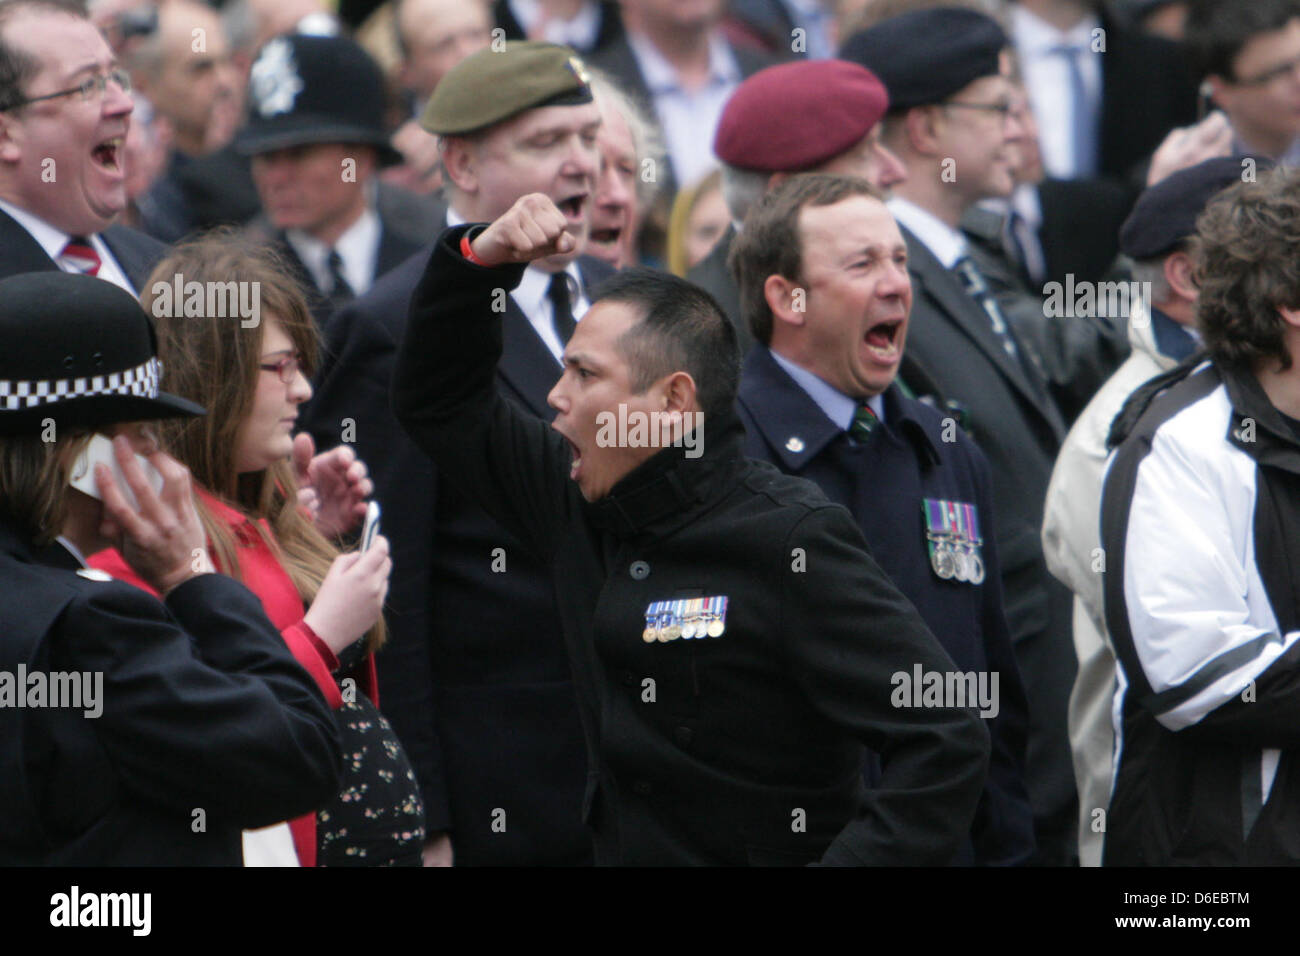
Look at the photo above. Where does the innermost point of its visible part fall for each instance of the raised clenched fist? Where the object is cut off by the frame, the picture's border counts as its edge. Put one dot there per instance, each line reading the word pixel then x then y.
pixel 533 228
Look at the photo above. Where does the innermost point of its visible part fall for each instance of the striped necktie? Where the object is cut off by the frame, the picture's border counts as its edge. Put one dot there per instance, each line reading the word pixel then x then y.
pixel 80 256
pixel 864 423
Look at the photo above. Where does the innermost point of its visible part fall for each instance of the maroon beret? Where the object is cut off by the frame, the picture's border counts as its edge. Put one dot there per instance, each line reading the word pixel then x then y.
pixel 798 115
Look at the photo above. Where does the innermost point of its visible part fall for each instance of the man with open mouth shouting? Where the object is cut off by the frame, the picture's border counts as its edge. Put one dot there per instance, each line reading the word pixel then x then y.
pixel 731 640
pixel 65 108
pixel 824 284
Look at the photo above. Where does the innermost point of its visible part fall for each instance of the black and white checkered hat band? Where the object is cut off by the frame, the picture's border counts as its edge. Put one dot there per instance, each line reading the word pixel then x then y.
pixel 141 381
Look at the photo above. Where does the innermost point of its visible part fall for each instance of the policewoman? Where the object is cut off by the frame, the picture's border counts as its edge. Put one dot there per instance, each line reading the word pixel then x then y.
pixel 132 731
pixel 819 400
pixel 732 643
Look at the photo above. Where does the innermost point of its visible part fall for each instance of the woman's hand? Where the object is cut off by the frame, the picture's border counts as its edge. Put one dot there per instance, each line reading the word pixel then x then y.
pixel 332 486
pixel 352 596
pixel 163 542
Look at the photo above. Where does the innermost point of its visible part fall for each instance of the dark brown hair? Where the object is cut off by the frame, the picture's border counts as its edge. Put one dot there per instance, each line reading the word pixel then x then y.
pixel 770 243
pixel 1247 262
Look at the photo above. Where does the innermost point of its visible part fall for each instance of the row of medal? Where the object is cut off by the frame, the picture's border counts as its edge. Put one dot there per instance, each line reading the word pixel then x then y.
pixel 952 534
pixel 686 618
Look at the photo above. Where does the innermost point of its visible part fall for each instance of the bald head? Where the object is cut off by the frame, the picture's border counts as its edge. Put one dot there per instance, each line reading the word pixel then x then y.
pixel 435 35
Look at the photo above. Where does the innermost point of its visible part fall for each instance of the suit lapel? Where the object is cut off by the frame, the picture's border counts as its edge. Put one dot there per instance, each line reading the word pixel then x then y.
pixel 526 363
pixel 22 253
pixel 792 423
pixel 965 314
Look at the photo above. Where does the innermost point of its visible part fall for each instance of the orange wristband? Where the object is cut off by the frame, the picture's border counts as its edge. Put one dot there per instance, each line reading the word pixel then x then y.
pixel 468 253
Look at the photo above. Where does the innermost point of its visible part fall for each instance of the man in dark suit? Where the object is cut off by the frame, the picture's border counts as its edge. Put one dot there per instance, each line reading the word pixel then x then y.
pixel 819 401
pixel 316 135
pixel 831 112
pixel 62 130
pixel 474 678
pixel 677 63
pixel 954 125
pixel 1106 93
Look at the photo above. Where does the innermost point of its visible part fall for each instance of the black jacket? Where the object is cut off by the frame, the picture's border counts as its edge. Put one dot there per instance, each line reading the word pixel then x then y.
pixel 1200 523
pixel 204 709
pixel 134 251
pixel 474 675
pixel 884 483
pixel 742 748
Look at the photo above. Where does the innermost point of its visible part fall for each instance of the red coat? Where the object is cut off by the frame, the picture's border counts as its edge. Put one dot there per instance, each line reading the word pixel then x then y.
pixel 265 577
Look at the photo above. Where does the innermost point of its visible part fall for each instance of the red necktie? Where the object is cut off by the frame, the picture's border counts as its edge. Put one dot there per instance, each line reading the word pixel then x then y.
pixel 81 255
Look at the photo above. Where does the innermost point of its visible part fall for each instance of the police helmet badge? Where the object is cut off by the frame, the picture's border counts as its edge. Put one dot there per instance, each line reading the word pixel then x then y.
pixel 273 81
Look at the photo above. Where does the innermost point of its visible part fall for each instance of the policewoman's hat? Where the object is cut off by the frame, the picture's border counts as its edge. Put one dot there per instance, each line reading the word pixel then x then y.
pixel 80 351
pixel 313 89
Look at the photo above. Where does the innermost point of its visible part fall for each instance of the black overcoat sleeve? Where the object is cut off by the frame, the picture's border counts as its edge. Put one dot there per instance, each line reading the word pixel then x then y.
pixel 445 395
pixel 845 643
pixel 204 708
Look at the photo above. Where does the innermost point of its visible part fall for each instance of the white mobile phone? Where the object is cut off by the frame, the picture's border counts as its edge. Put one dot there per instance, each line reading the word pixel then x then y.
pixel 100 449
pixel 371 527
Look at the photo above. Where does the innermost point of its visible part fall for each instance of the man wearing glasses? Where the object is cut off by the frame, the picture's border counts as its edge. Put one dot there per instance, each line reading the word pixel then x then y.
pixel 953 124
pixel 65 108
pixel 1249 57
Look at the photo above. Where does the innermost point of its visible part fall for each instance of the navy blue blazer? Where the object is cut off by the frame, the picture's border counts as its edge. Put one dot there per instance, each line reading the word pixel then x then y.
pixel 883 483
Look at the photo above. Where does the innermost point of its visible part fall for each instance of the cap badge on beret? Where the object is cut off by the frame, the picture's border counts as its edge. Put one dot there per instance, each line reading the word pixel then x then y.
pixel 273 80
pixel 579 69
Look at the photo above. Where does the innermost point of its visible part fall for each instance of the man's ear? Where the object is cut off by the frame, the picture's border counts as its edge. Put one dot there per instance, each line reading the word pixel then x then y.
pixel 922 129
pixel 1291 316
pixel 1178 273
pixel 10 148
pixel 679 393
pixel 461 163
pixel 786 299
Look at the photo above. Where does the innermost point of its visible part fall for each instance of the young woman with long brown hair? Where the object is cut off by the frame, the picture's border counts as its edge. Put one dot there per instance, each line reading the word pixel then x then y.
pixel 252 376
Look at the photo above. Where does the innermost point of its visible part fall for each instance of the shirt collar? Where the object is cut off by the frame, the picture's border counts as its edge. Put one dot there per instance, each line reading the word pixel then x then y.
pixel 839 408
pixel 52 240
pixel 661 76
pixel 358 247
pixel 945 242
pixel 1034 36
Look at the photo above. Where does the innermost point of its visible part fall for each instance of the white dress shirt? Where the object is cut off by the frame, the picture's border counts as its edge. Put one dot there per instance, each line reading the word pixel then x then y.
pixel 53 240
pixel 1047 81
pixel 688 118
pixel 358 248
pixel 579 33
pixel 946 243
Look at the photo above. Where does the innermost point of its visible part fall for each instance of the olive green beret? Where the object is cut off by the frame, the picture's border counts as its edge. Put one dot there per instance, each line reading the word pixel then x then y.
pixel 495 84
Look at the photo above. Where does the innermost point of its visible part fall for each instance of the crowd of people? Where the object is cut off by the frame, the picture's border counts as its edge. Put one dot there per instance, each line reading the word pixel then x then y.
pixel 959 533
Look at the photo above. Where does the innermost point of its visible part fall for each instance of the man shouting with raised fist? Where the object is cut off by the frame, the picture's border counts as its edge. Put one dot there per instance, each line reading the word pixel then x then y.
pixel 732 643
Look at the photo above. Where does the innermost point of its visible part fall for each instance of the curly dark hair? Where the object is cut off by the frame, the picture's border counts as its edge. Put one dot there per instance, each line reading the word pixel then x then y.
pixel 1247 255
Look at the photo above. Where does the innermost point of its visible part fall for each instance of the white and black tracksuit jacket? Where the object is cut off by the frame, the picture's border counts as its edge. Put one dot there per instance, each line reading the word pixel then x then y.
pixel 1201 528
